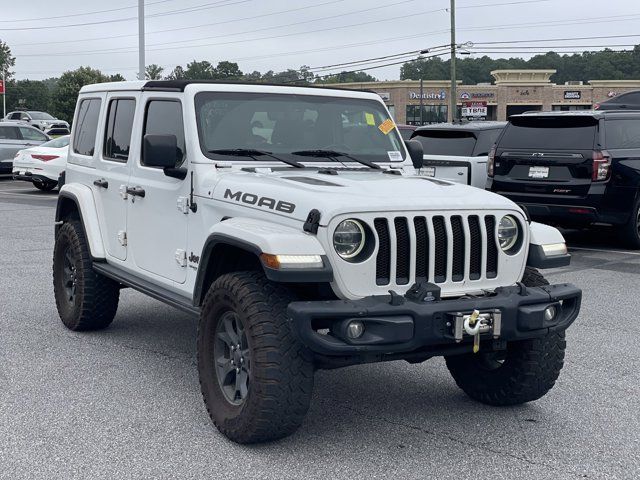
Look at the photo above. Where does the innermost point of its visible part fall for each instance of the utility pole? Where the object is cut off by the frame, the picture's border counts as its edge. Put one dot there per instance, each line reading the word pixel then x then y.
pixel 421 101
pixel 141 62
pixel 454 95
pixel 4 93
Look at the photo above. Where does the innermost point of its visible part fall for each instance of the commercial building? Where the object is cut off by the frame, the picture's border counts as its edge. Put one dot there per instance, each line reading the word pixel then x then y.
pixel 512 92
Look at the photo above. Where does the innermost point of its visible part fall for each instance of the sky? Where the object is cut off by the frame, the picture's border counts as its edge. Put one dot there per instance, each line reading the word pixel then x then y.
pixel 48 38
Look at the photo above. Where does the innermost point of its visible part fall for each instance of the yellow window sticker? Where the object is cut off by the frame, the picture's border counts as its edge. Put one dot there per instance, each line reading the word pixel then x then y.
pixel 386 126
pixel 371 120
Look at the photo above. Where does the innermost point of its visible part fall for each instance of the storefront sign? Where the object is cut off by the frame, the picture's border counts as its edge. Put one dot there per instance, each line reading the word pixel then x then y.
pixel 572 95
pixel 474 109
pixel 468 96
pixel 441 95
pixel 385 96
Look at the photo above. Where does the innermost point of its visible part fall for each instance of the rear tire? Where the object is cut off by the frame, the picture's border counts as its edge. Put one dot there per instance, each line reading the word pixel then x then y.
pixel 260 391
pixel 45 187
pixel 631 231
pixel 85 299
pixel 526 371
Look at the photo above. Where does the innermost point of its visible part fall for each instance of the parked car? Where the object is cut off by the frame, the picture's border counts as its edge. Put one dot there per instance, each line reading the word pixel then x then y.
pixel 42 165
pixel 572 168
pixel 458 151
pixel 15 137
pixel 40 120
pixel 624 101
pixel 406 131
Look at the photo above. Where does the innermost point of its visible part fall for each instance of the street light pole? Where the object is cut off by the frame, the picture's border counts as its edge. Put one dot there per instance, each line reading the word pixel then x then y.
pixel 454 95
pixel 141 62
pixel 4 93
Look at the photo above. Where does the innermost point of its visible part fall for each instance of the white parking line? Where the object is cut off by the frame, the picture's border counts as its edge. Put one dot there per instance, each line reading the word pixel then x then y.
pixel 30 195
pixel 622 252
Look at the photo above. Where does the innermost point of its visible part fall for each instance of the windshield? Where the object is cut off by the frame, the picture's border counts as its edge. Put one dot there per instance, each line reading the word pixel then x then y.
pixel 59 142
pixel 281 124
pixel 41 116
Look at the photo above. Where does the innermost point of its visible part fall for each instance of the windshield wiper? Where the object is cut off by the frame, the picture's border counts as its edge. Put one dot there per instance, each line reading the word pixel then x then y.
pixel 332 154
pixel 253 153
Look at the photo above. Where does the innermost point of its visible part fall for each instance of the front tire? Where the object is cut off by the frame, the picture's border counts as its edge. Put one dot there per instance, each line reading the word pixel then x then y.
pixel 256 377
pixel 526 371
pixel 85 299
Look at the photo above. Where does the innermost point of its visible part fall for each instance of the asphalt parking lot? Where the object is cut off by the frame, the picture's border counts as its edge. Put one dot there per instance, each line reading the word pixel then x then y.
pixel 125 402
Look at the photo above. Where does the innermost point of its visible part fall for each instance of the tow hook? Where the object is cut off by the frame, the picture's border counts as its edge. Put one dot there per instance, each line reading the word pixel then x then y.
pixel 477 323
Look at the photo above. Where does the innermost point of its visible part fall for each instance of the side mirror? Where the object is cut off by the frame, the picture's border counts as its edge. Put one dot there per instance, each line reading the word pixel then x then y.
pixel 415 152
pixel 160 151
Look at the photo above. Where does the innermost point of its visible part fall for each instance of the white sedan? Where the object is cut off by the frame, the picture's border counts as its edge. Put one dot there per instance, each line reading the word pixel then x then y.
pixel 42 165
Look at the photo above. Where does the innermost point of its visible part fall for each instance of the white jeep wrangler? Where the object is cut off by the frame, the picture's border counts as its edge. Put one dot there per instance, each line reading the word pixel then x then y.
pixel 290 221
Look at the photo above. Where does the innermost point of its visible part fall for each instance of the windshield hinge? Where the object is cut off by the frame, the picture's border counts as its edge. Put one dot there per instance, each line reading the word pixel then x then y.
pixel 313 222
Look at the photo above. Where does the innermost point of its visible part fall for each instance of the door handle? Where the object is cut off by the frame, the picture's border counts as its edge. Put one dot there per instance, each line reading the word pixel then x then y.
pixel 101 183
pixel 136 191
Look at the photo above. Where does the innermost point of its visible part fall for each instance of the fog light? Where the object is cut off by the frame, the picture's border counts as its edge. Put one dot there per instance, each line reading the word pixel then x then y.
pixel 355 329
pixel 550 313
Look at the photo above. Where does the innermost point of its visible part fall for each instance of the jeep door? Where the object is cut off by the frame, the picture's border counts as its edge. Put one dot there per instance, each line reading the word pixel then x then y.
pixel 156 225
pixel 113 164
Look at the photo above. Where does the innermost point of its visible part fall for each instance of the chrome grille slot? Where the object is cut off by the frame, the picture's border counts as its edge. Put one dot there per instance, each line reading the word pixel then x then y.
pixel 439 249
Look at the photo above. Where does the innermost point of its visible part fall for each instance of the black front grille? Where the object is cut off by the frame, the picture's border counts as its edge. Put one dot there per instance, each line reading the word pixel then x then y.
pixel 440 235
pixel 443 235
pixel 383 260
pixel 403 251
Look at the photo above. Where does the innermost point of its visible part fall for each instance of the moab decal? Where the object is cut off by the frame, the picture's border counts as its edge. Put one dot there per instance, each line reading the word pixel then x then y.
pixel 253 199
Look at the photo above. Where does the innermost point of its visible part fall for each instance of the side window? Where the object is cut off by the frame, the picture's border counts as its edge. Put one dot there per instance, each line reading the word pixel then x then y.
pixel 164 117
pixel 31 134
pixel 633 98
pixel 87 126
pixel 8 133
pixel 15 116
pixel 117 138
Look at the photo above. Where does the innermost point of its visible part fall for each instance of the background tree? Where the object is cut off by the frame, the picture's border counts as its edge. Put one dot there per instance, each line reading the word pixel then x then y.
pixel 199 71
pixel 176 74
pixel 7 61
pixel 227 71
pixel 153 72
pixel 69 85
pixel 117 78
pixel 348 77
pixel 28 94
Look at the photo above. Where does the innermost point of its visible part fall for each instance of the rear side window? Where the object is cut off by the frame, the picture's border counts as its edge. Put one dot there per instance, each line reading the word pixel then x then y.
pixel 551 133
pixel 117 138
pixel 441 142
pixel 633 97
pixel 9 133
pixel 164 117
pixel 16 116
pixel 87 126
pixel 32 134
pixel 622 133
pixel 486 140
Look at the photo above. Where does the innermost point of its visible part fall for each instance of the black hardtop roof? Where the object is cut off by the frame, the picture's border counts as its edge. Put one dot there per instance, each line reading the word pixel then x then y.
pixel 180 85
pixel 463 127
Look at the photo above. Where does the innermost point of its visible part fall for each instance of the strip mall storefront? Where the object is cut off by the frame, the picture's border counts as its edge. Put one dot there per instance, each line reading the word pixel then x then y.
pixel 513 92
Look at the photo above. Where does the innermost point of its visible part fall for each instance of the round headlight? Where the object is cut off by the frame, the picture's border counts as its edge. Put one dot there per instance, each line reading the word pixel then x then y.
pixel 508 233
pixel 348 239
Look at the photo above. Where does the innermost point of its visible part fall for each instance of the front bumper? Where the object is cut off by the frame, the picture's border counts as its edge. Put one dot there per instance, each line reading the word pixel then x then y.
pixel 396 324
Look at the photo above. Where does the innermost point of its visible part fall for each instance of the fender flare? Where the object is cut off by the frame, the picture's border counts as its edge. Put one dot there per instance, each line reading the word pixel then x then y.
pixel 82 197
pixel 540 235
pixel 257 237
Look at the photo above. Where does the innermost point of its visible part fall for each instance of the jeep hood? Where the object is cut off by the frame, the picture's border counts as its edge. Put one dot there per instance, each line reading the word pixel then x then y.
pixel 294 193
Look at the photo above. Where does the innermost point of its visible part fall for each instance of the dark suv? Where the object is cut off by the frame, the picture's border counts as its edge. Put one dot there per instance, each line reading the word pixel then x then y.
pixel 624 101
pixel 572 168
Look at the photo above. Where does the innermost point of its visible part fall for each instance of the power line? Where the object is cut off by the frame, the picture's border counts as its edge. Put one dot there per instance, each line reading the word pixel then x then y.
pixel 95 12
pixel 119 20
pixel 117 51
pixel 186 28
pixel 599 37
